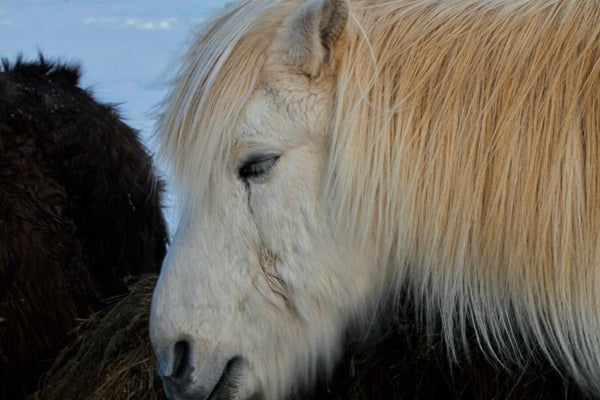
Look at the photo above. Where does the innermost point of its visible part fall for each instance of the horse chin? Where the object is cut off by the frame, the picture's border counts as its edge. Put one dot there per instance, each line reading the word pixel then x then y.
pixel 230 385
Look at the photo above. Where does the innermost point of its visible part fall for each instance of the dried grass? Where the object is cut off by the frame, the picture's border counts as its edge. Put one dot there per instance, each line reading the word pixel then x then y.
pixel 111 357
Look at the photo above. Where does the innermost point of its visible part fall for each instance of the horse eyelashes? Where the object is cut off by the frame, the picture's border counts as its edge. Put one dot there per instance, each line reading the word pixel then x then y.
pixel 257 166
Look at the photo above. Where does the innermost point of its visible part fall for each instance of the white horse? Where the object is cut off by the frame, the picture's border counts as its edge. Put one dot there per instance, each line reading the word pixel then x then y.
pixel 331 154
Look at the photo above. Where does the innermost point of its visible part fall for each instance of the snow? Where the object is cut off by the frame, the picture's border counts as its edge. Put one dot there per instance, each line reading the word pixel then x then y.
pixel 128 48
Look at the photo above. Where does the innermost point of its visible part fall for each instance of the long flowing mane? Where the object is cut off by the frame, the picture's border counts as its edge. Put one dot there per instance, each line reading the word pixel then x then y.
pixel 464 146
pixel 469 149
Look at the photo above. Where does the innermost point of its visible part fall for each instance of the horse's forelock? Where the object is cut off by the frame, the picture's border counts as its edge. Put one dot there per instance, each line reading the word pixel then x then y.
pixel 217 77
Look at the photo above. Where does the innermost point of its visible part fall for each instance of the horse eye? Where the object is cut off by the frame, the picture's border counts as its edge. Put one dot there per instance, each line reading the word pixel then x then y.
pixel 257 166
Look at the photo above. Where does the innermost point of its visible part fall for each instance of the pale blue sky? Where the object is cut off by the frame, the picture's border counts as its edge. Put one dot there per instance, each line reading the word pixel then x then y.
pixel 128 48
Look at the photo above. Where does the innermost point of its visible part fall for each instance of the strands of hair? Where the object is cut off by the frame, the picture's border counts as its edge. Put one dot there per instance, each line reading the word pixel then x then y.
pixel 468 150
pixel 210 94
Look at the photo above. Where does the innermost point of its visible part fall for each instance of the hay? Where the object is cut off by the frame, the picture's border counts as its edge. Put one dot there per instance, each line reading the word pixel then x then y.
pixel 111 356
pixel 112 359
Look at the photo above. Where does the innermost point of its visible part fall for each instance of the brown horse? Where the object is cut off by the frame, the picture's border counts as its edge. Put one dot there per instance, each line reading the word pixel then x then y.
pixel 80 214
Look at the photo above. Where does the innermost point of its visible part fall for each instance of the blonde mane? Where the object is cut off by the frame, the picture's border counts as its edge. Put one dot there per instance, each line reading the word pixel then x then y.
pixel 464 144
pixel 472 157
pixel 218 75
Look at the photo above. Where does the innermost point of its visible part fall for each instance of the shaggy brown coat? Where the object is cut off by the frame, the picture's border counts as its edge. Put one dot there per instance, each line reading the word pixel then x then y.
pixel 80 214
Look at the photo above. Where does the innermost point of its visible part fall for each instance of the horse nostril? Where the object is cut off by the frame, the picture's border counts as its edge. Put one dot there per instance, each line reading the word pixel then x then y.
pixel 218 376
pixel 181 359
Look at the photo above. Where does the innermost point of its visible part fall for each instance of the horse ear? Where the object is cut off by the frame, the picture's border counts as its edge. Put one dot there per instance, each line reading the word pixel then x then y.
pixel 312 32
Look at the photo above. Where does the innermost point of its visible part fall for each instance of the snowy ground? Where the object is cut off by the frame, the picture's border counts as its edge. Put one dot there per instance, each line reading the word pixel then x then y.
pixel 127 47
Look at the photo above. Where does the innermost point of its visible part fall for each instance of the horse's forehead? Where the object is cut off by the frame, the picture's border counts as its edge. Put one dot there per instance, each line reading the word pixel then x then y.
pixel 261 115
pixel 273 106
pixel 284 107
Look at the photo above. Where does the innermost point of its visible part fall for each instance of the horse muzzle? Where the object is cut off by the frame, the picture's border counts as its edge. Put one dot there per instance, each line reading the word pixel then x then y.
pixel 217 377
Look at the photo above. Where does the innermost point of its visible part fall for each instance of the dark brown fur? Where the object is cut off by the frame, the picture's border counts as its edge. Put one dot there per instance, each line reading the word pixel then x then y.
pixel 79 214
